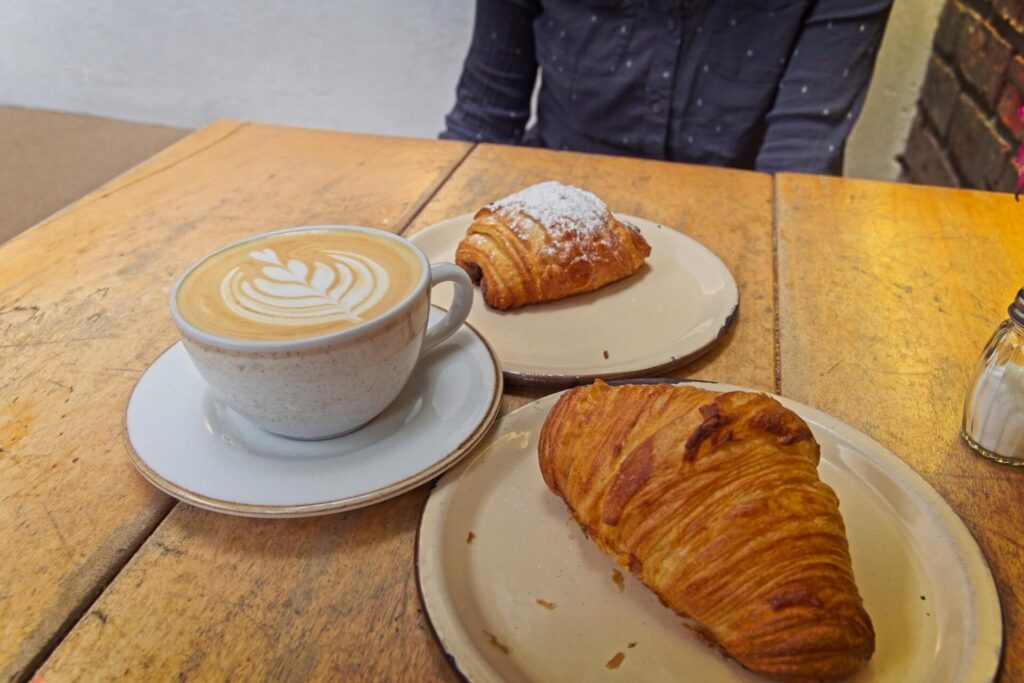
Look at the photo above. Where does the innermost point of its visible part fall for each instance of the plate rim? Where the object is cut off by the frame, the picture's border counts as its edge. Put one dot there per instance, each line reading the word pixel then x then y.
pixel 986 664
pixel 256 510
pixel 567 380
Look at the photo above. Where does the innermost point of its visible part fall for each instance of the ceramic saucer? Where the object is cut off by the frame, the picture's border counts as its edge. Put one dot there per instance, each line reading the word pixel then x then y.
pixel 193 447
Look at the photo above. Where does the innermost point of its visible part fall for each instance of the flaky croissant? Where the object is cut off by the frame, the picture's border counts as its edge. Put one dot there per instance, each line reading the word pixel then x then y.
pixel 547 242
pixel 713 501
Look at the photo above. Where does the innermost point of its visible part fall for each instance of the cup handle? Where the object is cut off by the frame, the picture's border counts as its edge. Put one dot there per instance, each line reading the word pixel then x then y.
pixel 459 310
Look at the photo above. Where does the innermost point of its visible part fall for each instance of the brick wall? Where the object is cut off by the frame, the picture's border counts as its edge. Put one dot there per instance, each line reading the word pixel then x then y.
pixel 966 130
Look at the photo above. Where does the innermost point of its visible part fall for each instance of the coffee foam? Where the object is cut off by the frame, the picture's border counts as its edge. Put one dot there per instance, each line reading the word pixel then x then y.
pixel 298 284
pixel 341 286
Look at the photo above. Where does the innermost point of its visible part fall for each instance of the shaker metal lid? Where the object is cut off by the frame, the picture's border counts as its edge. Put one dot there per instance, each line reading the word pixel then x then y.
pixel 1016 309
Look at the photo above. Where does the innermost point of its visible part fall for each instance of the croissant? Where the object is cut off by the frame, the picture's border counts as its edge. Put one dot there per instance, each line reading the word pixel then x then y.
pixel 713 501
pixel 547 242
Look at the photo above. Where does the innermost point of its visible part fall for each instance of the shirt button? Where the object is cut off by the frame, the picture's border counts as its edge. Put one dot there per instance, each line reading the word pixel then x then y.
pixel 656 107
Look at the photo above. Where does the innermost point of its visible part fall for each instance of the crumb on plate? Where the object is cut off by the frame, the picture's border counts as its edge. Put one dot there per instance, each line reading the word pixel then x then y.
pixel 615 661
pixel 497 643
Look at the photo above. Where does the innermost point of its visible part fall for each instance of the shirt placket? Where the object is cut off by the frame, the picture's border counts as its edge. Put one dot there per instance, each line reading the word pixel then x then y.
pixel 662 27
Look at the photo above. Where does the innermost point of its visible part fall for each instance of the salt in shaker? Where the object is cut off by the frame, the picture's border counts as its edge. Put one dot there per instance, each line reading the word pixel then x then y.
pixel 994 410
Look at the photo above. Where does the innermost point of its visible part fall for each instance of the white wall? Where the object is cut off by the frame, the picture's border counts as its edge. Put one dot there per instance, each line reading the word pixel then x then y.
pixel 379 66
pixel 882 128
pixel 383 66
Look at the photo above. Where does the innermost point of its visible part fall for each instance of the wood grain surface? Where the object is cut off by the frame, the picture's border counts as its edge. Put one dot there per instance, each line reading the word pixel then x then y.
pixel 83 310
pixel 887 295
pixel 215 597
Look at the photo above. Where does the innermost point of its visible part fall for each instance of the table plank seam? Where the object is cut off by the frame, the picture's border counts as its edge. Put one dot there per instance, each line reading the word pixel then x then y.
pixel 81 610
pixel 102 193
pixel 417 207
pixel 190 155
pixel 776 328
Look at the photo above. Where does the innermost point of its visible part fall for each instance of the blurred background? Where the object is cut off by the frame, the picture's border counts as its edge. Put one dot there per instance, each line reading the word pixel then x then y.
pixel 90 87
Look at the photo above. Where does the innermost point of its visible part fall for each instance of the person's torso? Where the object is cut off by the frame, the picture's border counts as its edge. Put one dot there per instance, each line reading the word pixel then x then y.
pixel 687 81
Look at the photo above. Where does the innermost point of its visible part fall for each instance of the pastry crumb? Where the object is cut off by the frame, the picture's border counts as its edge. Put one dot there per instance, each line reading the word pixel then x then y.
pixel 618 580
pixel 497 643
pixel 470 536
pixel 633 644
pixel 545 604
pixel 615 661
pixel 606 354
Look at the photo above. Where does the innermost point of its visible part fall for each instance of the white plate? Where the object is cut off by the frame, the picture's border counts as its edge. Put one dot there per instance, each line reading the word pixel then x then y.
pixel 670 312
pixel 923 578
pixel 193 447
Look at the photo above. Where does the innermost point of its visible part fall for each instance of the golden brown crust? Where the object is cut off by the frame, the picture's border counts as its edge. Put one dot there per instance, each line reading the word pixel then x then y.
pixel 713 500
pixel 519 256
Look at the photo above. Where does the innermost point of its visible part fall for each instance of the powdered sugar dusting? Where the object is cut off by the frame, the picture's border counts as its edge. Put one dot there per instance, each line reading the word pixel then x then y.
pixel 557 207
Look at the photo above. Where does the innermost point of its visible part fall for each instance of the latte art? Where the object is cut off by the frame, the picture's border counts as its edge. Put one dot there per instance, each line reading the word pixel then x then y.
pixel 300 293
pixel 297 284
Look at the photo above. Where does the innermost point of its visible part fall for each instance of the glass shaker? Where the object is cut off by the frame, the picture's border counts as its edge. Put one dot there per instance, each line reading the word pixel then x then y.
pixel 994 411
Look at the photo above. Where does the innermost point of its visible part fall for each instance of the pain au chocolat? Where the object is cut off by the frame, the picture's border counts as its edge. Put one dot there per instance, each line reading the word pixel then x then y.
pixel 713 501
pixel 547 242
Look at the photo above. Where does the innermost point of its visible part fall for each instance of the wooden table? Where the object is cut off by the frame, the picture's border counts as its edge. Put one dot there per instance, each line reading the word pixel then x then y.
pixel 868 300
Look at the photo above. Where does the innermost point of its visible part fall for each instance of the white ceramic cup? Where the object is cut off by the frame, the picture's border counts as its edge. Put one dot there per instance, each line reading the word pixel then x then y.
pixel 328 385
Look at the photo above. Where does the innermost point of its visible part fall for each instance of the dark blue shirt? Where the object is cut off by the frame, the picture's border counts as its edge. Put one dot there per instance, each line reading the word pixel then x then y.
pixel 766 84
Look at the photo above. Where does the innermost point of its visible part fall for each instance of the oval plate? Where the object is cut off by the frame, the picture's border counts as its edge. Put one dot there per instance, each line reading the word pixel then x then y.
pixel 528 598
pixel 670 312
